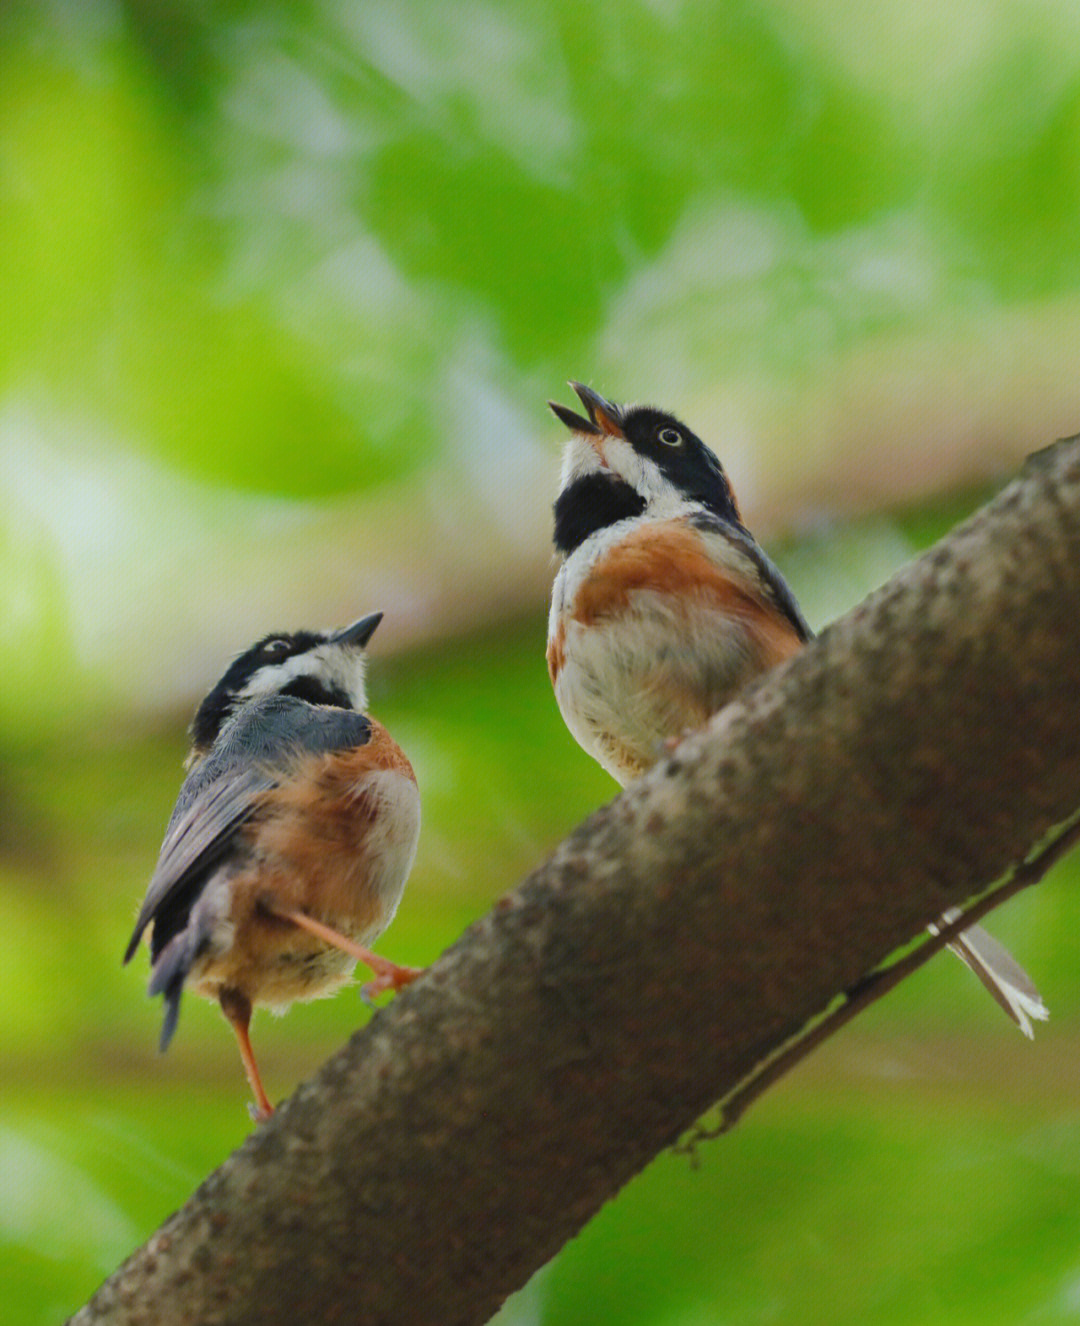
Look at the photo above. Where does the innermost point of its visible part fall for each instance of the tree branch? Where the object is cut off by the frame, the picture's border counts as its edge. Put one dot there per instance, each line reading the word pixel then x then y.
pixel 877 984
pixel 680 937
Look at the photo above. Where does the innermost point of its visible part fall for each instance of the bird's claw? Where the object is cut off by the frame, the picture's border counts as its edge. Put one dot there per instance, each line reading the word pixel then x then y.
pixel 391 977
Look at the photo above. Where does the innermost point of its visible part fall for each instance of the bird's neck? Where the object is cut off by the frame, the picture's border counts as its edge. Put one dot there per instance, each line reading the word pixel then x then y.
pixel 317 690
pixel 592 503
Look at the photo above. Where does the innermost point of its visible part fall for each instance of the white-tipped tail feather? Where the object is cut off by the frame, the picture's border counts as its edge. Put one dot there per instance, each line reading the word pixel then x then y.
pixel 999 971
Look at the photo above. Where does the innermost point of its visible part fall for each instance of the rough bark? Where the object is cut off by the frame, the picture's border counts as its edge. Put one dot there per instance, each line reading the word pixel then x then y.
pixel 687 929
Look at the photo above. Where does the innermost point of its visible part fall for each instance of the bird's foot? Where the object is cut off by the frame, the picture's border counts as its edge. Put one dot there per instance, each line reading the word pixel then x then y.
pixel 388 976
pixel 669 745
pixel 237 1009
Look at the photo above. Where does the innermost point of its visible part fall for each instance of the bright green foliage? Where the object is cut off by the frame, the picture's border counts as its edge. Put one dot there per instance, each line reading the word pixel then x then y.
pixel 268 271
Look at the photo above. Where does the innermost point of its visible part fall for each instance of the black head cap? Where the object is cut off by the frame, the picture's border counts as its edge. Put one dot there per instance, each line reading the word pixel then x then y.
pixel 683 459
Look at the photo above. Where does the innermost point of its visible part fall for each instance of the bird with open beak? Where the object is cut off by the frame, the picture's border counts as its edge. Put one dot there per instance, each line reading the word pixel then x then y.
pixel 665 606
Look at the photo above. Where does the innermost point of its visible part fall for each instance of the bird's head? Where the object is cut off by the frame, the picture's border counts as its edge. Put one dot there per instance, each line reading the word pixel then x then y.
pixel 321 667
pixel 632 460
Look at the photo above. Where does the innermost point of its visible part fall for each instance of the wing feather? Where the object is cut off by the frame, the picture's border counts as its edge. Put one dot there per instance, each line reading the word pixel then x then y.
pixel 773 585
pixel 199 835
pixel 251 756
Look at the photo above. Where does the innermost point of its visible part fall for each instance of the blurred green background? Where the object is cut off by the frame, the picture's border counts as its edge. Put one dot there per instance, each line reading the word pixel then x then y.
pixel 283 289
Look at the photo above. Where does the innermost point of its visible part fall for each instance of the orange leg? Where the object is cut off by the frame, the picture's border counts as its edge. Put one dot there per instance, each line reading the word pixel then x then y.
pixel 388 975
pixel 237 1009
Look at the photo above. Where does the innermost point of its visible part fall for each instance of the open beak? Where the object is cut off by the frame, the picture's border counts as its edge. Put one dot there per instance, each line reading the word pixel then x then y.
pixel 605 419
pixel 359 633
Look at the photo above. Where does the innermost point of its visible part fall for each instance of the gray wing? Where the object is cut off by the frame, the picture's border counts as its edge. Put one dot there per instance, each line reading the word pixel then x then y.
pixel 774 584
pixel 251 756
pixel 200 833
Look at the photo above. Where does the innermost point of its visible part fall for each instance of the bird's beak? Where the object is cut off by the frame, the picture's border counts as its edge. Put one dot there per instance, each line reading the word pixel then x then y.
pixel 359 633
pixel 605 419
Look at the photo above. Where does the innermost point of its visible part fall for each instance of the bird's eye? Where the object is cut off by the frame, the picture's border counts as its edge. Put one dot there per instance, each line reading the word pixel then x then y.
pixel 276 648
pixel 671 437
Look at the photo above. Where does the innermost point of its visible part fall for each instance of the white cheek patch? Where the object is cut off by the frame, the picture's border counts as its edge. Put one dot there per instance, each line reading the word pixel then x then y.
pixel 580 459
pixel 644 476
pixel 266 681
pixel 347 669
pixel 338 668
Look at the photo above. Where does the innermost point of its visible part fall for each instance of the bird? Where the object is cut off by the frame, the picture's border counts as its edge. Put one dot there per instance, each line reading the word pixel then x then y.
pixel 291 840
pixel 664 606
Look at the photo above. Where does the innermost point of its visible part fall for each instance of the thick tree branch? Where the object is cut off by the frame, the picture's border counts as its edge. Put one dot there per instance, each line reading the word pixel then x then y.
pixel 876 984
pixel 673 942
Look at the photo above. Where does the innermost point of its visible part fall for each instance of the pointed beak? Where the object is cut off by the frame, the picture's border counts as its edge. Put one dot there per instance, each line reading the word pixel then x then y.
pixel 359 633
pixel 605 419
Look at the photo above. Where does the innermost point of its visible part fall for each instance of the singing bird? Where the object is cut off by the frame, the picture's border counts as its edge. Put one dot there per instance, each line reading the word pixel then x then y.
pixel 664 606
pixel 291 841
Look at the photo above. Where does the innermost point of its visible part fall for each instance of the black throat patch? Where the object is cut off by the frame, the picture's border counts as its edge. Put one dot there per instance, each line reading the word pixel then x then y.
pixel 315 691
pixel 589 504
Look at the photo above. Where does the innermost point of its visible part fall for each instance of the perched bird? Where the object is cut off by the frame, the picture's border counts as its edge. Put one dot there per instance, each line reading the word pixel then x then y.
pixel 665 605
pixel 291 841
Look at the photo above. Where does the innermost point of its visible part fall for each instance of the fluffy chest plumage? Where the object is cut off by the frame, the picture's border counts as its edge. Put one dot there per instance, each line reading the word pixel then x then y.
pixel 336 842
pixel 655 624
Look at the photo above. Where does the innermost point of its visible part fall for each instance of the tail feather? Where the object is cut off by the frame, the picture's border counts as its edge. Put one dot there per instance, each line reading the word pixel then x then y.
pixel 172 1015
pixel 999 971
pixel 171 967
pixel 171 964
